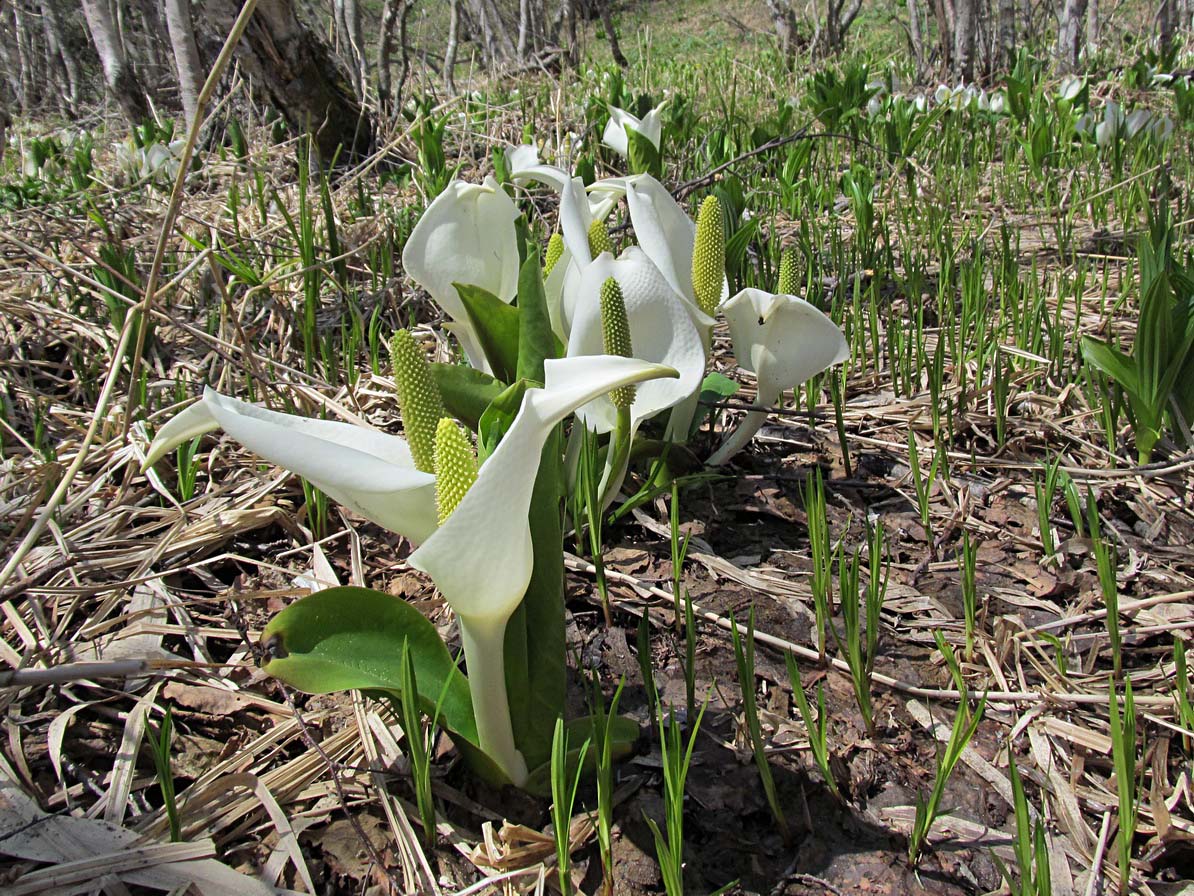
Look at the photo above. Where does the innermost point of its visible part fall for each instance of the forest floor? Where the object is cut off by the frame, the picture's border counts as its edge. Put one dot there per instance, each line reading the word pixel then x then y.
pixel 312 793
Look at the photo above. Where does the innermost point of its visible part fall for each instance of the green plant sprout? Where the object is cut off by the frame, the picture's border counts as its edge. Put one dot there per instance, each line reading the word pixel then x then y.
pixel 1105 561
pixel 966 567
pixel 677 758
pixel 822 555
pixel 1031 849
pixel 817 726
pixel 1181 691
pixel 1123 754
pixel 160 747
pixel 928 810
pixel 744 656
pixel 563 798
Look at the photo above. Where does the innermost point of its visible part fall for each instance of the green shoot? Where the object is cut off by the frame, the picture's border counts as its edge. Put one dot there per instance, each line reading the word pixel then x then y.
pixel 1123 753
pixel 928 811
pixel 669 845
pixel 1106 561
pixel 745 657
pixel 822 554
pixel 966 566
pixel 418 746
pixel 1030 848
pixel 159 746
pixel 563 798
pixel 1181 691
pixel 605 778
pixel 188 468
pixel 817 727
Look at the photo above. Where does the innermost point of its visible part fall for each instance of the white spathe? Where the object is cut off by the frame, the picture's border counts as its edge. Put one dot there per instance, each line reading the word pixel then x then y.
pixel 650 126
pixel 784 341
pixel 666 234
pixel 481 558
pixel 523 164
pixel 365 470
pixel 467 235
pixel 661 331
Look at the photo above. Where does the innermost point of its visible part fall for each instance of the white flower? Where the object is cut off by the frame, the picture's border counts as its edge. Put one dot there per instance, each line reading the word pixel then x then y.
pixel 661 331
pixel 784 341
pixel 650 126
pixel 467 235
pixel 367 471
pixel 523 162
pixel 481 558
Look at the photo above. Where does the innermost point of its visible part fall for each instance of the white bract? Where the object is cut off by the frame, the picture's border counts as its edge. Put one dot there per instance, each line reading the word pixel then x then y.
pixel 783 341
pixel 367 471
pixel 467 235
pixel 650 126
pixel 481 558
pixel 661 331
pixel 523 163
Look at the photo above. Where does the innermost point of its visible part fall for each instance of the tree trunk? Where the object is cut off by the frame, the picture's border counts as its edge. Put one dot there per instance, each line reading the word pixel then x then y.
pixel 783 19
pixel 524 27
pixel 1166 20
pixel 186 56
pixel 573 12
pixel 450 48
pixel 611 33
pixel 916 37
pixel 296 72
pixel 119 78
pixel 1007 33
pixel 1069 34
pixel 965 27
pixel 1092 26
pixel 385 49
pixel 70 64
pixel 348 17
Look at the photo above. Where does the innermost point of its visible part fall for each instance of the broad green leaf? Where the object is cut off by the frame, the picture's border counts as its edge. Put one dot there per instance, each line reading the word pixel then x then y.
pixel 351 638
pixel 644 157
pixel 497 418
pixel 1112 362
pixel 536 341
pixel 466 392
pixel 496 324
pixel 542 612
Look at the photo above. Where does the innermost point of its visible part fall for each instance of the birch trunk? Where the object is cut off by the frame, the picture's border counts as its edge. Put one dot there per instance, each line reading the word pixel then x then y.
pixel 965 27
pixel 186 56
pixel 611 34
pixel 119 78
pixel 450 48
pixel 70 64
pixel 1069 34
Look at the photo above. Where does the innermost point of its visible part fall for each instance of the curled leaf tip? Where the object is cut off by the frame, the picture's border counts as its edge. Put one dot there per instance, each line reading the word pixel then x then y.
pixel 555 248
pixel 418 398
pixel 456 466
pixel 615 333
pixel 709 255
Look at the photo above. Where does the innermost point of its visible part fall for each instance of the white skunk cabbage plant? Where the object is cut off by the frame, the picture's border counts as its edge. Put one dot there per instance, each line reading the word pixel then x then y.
pixel 477 481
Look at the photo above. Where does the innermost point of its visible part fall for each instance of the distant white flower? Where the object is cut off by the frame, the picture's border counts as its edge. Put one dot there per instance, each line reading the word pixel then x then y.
pixel 650 126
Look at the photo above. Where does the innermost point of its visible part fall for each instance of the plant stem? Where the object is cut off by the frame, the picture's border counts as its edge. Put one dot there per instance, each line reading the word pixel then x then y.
pixel 483 639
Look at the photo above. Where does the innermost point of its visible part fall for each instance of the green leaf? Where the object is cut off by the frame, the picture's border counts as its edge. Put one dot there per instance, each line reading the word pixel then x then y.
pixel 1112 362
pixel 466 392
pixel 496 324
pixel 345 638
pixel 542 611
pixel 644 157
pixel 623 732
pixel 536 341
pixel 497 418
